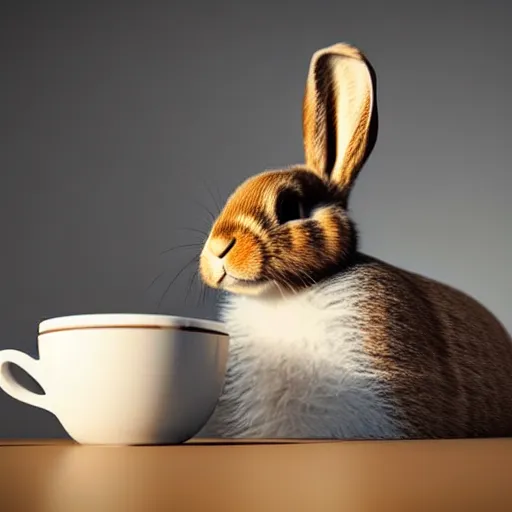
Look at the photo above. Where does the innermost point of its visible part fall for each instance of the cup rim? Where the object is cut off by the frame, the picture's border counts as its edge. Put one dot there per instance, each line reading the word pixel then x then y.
pixel 136 320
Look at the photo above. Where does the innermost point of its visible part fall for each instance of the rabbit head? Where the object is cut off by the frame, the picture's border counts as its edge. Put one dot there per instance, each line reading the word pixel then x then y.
pixel 288 229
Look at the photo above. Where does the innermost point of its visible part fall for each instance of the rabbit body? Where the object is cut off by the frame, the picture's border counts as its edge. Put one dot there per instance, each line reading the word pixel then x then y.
pixel 327 342
pixel 312 365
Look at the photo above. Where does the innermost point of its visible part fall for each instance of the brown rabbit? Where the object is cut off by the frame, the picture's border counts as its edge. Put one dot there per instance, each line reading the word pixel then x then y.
pixel 327 342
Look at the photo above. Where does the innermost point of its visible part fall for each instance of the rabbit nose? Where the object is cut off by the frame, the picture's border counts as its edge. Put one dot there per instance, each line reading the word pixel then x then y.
pixel 221 247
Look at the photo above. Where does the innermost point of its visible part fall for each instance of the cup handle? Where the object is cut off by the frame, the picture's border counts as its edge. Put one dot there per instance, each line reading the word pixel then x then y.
pixel 12 387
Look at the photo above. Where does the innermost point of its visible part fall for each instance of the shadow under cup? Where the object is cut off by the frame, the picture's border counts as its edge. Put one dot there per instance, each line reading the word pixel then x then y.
pixel 124 379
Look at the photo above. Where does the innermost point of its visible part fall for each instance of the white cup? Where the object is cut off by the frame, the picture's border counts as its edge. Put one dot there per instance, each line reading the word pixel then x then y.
pixel 124 379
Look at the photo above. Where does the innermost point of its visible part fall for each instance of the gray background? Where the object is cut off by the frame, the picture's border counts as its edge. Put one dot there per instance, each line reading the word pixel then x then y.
pixel 116 121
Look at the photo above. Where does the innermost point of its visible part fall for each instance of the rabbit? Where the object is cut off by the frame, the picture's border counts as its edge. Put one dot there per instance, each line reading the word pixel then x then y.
pixel 327 342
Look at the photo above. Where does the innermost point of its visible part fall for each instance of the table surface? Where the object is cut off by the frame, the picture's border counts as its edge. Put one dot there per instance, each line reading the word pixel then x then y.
pixel 263 476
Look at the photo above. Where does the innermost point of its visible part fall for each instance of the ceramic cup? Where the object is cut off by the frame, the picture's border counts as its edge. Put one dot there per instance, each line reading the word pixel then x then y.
pixel 124 379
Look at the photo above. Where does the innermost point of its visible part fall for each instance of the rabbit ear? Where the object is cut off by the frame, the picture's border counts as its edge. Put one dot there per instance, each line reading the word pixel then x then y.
pixel 340 120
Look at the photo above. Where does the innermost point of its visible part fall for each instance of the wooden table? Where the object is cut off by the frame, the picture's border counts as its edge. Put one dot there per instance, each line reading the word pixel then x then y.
pixel 263 476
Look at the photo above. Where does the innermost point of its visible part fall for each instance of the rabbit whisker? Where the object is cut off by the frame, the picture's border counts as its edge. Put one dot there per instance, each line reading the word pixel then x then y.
pixel 190 285
pixel 154 281
pixel 206 209
pixel 280 289
pixel 181 247
pixel 193 260
pixel 211 195
pixel 194 230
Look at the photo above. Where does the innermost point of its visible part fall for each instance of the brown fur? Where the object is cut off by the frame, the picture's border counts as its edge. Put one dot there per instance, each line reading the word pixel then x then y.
pixel 447 359
pixel 264 248
pixel 445 356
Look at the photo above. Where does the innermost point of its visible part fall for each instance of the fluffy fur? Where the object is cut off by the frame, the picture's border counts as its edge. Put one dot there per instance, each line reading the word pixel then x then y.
pixel 298 368
pixel 327 342
pixel 317 364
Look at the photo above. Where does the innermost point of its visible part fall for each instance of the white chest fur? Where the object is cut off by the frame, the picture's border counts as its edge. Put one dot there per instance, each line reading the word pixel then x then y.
pixel 298 369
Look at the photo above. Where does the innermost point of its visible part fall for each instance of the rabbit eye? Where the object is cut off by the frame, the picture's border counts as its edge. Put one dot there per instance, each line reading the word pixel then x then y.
pixel 289 207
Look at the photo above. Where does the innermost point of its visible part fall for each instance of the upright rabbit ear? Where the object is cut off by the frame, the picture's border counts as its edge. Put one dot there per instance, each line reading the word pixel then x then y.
pixel 340 119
